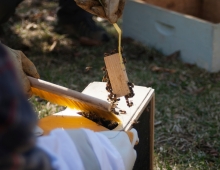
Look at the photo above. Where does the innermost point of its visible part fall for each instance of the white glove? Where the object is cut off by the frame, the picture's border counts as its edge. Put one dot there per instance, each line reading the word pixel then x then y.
pixel 124 146
pixel 112 148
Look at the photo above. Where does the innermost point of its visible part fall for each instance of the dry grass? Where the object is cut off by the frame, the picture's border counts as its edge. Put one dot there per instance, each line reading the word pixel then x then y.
pixel 187 120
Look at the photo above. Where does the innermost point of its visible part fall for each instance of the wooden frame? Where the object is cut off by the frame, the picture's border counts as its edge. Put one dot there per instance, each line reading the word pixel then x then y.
pixel 144 114
pixel 145 128
pixel 117 75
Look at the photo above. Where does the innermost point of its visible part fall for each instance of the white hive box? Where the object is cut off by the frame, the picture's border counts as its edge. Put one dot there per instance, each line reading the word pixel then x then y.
pixel 191 26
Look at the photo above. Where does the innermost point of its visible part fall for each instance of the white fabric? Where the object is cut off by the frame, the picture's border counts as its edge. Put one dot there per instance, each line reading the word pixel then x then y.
pixel 109 158
pixel 135 137
pixel 65 156
pixel 62 150
pixel 38 131
pixel 123 145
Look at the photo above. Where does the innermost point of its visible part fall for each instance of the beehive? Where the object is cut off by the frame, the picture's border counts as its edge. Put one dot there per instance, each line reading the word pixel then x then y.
pixel 191 26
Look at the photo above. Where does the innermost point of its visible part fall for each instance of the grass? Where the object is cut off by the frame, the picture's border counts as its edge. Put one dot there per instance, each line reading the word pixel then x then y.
pixel 187 119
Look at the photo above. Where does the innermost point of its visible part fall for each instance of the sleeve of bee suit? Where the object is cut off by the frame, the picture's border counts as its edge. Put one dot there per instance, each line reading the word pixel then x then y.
pixel 96 151
pixel 108 150
pixel 63 153
pixel 81 149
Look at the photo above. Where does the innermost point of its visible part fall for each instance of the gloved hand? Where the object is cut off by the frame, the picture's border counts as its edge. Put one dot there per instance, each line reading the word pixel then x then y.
pixel 125 147
pixel 115 147
pixel 25 67
pixel 109 9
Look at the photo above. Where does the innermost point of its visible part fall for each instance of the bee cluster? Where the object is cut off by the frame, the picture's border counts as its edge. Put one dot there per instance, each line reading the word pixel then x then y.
pixel 112 98
pixel 130 95
pixel 99 120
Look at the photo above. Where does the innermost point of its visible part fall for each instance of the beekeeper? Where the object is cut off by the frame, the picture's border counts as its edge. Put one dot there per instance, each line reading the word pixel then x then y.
pixel 63 149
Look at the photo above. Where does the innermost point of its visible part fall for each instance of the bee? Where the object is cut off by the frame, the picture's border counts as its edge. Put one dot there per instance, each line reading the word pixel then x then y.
pixel 106 54
pixel 113 52
pixel 130 104
pixel 107 89
pixel 135 122
pixel 122 111
pixel 130 84
pixel 103 68
pixel 122 49
pixel 114 111
pixel 112 98
pixel 124 60
pixel 87 68
pixel 104 79
pixel 112 125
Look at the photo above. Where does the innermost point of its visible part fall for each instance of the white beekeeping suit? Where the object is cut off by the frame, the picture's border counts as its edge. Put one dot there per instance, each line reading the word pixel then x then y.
pixel 84 149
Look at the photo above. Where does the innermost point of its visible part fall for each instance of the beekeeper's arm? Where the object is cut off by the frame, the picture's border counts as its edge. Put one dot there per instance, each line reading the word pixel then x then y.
pixel 23 67
pixel 109 9
pixel 84 149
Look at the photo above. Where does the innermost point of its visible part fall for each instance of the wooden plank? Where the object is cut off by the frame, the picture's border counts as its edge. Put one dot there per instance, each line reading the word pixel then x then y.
pixel 97 89
pixel 142 95
pixel 140 110
pixel 190 7
pixel 210 10
pixel 162 27
pixel 145 128
pixel 117 75
pixel 206 9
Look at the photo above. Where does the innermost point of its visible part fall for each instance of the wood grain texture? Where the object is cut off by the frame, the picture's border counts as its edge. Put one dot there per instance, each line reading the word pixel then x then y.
pixel 117 75
pixel 140 100
pixel 204 9
pixel 72 94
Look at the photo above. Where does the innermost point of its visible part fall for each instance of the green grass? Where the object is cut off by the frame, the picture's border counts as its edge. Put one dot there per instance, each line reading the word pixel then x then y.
pixel 187 131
